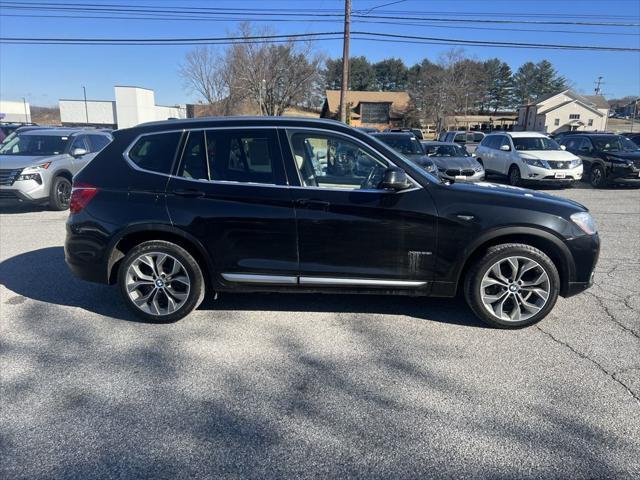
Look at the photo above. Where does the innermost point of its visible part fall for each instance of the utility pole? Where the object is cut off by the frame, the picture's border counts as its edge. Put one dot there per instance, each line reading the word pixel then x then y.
pixel 598 90
pixel 26 115
pixel 635 112
pixel 345 62
pixel 86 108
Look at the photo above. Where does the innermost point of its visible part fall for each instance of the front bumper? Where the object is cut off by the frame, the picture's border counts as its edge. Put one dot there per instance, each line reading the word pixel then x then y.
pixel 29 191
pixel 552 175
pixel 476 177
pixel 585 251
pixel 624 173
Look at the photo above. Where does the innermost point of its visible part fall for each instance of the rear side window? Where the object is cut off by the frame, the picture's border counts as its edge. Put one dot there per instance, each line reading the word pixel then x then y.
pixel 248 156
pixel 155 152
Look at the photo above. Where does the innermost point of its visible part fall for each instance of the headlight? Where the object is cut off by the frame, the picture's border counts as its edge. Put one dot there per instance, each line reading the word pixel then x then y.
pixel 575 163
pixel 35 168
pixel 534 162
pixel 585 221
pixel 430 167
pixel 30 176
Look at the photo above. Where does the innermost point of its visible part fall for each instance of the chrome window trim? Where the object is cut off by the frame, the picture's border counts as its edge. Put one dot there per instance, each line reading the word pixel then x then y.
pixel 260 279
pixel 180 152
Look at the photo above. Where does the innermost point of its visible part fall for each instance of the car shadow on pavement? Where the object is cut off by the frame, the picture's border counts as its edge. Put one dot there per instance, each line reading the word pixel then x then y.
pixel 16 208
pixel 43 275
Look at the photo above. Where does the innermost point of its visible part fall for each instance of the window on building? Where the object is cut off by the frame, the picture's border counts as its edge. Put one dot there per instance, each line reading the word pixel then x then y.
pixel 556 122
pixel 155 152
pixel 590 123
pixel 574 116
pixel 374 112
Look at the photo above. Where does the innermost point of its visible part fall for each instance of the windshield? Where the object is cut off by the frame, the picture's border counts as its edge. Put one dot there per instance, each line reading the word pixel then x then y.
pixel 37 145
pixel 614 143
pixel 535 143
pixel 446 151
pixel 403 145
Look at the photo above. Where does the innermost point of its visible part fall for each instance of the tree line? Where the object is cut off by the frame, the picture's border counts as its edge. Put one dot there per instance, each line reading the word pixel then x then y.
pixel 272 77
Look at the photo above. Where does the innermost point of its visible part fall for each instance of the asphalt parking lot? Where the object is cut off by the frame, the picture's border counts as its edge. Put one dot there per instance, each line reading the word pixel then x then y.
pixel 305 386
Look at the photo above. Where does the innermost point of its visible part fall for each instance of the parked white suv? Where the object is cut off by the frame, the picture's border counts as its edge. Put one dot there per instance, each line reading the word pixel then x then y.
pixel 37 166
pixel 528 156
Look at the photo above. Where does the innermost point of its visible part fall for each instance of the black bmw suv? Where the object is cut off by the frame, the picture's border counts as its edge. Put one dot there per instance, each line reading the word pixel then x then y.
pixel 172 210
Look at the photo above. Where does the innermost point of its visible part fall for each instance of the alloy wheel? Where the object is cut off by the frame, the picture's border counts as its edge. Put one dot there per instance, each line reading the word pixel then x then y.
pixel 515 289
pixel 157 283
pixel 63 193
pixel 514 176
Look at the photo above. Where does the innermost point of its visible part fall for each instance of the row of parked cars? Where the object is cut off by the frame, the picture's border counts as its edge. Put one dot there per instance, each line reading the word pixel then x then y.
pixel 524 157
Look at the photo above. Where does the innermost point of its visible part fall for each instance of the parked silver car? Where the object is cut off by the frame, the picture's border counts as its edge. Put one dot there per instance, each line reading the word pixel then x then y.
pixel 454 162
pixel 37 166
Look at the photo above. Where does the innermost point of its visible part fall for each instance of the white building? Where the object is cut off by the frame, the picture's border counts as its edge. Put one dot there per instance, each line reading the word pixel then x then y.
pixel 132 106
pixel 15 111
pixel 564 111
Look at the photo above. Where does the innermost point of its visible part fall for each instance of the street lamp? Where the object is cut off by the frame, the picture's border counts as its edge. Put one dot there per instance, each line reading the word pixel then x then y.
pixel 635 110
pixel 26 115
pixel 86 108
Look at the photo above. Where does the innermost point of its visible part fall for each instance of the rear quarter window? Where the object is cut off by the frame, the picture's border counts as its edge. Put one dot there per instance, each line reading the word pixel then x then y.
pixel 155 152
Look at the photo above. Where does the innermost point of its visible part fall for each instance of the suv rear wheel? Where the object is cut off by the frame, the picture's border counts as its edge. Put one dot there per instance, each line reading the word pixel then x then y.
pixel 60 194
pixel 512 285
pixel 160 281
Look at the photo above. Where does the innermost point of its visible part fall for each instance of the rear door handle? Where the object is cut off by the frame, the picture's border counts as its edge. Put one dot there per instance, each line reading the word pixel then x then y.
pixel 313 204
pixel 189 192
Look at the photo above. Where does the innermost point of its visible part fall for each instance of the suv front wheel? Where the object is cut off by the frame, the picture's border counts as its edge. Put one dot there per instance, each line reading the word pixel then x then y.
pixel 160 281
pixel 60 194
pixel 513 285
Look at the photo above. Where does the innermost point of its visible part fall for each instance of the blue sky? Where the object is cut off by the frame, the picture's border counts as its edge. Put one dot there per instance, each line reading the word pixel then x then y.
pixel 44 74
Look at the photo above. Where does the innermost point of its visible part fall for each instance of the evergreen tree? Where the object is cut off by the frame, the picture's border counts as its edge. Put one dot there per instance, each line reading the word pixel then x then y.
pixel 499 89
pixel 391 75
pixel 547 79
pixel 361 74
pixel 524 83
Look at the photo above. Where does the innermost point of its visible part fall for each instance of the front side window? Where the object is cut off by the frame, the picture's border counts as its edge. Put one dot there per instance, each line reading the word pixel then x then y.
pixel 614 143
pixel 36 145
pixel 80 142
pixel 155 152
pixel 329 161
pixel 535 143
pixel 99 142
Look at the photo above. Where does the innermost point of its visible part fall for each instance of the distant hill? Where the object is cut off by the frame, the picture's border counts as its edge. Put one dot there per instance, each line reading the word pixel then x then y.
pixel 45 115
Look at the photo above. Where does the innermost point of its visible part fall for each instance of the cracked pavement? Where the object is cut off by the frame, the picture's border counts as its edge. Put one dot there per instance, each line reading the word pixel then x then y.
pixel 316 386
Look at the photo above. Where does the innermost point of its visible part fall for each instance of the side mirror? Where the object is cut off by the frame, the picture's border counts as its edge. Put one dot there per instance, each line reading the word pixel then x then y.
pixel 394 179
pixel 505 148
pixel 562 147
pixel 78 152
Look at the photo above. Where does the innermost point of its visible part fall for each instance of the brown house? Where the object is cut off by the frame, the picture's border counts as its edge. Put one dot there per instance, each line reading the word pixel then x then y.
pixel 369 109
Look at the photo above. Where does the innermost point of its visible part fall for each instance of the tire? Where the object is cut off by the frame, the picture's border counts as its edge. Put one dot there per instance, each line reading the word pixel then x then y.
pixel 598 177
pixel 500 313
pixel 515 179
pixel 162 291
pixel 60 194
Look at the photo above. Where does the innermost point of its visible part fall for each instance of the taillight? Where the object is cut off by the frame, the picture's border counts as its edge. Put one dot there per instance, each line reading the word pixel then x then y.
pixel 81 195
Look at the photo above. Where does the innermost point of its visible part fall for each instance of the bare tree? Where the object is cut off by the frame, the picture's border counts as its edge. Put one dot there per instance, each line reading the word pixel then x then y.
pixel 205 75
pixel 271 76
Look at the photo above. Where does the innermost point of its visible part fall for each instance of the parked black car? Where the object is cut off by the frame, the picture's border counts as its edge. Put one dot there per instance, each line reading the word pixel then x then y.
pixel 174 209
pixel 405 143
pixel 606 157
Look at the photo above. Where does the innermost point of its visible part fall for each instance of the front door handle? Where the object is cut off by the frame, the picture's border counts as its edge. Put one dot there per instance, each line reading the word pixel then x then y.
pixel 313 204
pixel 189 192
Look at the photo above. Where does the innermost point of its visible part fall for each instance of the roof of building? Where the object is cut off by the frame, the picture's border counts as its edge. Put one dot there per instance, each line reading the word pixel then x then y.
pixel 593 101
pixel 399 100
pixel 598 100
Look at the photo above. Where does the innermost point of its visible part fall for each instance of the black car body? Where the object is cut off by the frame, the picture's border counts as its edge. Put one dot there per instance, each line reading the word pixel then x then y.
pixel 633 136
pixel 238 205
pixel 454 162
pixel 606 157
pixel 406 144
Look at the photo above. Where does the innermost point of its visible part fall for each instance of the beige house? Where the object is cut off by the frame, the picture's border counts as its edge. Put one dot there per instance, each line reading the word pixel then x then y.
pixel 369 109
pixel 564 111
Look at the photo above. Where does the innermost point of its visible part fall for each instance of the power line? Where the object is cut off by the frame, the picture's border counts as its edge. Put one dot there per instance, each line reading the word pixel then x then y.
pixel 212 11
pixel 306 36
